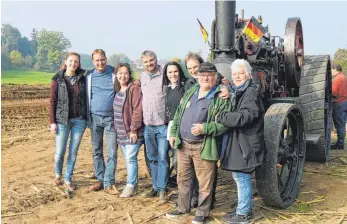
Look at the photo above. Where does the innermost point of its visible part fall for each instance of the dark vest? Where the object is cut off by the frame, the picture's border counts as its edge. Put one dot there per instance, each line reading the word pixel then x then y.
pixel 63 101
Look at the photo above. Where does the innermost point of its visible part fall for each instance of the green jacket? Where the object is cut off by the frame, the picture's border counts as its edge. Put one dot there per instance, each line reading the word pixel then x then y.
pixel 212 129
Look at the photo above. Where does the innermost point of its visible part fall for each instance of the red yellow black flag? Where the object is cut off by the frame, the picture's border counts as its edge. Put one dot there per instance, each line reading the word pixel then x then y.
pixel 203 31
pixel 253 30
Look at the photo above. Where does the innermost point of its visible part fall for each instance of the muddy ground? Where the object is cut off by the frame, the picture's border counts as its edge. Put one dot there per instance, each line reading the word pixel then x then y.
pixel 29 196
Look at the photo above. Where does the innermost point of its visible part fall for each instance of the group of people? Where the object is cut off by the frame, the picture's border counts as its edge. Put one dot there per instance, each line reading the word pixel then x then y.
pixel 203 119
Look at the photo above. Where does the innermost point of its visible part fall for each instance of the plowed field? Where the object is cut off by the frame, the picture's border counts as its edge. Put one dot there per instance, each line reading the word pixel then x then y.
pixel 29 196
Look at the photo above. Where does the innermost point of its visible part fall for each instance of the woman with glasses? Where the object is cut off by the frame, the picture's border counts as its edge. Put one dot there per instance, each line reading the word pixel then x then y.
pixel 128 123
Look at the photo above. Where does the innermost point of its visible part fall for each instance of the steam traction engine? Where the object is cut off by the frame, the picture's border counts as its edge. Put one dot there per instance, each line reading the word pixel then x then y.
pixel 296 92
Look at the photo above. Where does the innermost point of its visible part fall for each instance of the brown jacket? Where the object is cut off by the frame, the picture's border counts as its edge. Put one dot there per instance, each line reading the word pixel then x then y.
pixel 132 110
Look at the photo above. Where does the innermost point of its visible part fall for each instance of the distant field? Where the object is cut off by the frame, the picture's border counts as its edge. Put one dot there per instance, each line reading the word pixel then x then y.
pixel 31 77
pixel 25 77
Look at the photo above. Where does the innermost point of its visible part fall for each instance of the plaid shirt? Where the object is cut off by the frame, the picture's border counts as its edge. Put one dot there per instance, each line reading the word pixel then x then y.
pixel 153 101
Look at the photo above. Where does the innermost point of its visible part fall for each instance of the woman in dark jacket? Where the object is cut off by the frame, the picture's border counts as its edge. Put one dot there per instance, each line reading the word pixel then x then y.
pixel 173 82
pixel 128 123
pixel 243 148
pixel 68 115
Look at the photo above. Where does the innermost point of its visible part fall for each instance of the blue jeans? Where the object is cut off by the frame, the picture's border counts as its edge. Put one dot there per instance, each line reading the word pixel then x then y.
pixel 104 173
pixel 157 148
pixel 339 117
pixel 244 192
pixel 77 128
pixel 130 155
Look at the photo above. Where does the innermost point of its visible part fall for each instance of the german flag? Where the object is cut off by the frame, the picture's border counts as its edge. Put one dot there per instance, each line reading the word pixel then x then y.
pixel 253 30
pixel 203 31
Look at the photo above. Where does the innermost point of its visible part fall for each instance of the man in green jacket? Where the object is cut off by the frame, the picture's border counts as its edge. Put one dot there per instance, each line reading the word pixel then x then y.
pixel 194 133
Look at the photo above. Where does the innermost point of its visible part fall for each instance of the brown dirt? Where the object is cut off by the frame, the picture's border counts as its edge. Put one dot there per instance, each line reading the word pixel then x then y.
pixel 28 192
pixel 24 92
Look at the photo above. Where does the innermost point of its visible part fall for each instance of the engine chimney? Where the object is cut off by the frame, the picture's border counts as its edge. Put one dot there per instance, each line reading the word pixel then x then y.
pixel 225 36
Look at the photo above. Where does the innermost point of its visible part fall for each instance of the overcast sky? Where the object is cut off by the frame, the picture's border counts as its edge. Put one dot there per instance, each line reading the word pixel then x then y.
pixel 169 27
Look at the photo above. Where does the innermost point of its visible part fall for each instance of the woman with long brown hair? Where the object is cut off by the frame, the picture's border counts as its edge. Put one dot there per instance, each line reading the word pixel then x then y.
pixel 128 123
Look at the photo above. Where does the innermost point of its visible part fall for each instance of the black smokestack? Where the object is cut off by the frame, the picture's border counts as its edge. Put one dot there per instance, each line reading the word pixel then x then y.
pixel 225 27
pixel 225 37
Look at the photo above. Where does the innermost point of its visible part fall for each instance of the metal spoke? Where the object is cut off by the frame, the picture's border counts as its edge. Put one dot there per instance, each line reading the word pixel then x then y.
pixel 289 156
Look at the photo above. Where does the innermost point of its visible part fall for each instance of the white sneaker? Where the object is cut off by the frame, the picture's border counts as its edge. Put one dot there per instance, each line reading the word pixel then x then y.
pixel 127 192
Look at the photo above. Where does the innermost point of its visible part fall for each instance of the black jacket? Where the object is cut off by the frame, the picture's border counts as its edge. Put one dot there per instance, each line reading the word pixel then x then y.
pixel 172 101
pixel 189 83
pixel 243 147
pixel 60 101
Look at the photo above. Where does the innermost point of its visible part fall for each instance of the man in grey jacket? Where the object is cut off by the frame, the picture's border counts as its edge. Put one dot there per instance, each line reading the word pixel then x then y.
pixel 100 96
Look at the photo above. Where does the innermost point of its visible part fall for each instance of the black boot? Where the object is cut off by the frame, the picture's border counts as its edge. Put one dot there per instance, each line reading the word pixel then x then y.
pixel 336 146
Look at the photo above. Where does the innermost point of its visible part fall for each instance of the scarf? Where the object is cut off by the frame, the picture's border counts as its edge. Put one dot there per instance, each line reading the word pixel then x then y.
pixel 234 90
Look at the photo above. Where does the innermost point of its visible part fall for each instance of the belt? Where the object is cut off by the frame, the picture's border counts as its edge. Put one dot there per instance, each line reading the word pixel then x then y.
pixel 193 142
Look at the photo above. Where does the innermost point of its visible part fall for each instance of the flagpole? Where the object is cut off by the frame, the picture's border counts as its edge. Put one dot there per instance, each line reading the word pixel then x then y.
pixel 209 44
pixel 204 32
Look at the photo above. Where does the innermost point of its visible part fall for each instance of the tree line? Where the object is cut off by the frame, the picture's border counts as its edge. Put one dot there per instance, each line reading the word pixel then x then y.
pixel 340 57
pixel 44 51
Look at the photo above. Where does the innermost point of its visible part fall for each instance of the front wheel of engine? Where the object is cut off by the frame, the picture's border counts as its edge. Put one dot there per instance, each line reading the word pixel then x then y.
pixel 278 179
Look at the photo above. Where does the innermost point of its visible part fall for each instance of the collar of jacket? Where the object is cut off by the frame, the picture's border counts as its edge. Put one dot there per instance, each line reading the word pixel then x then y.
pixel 194 89
pixel 210 94
pixel 159 72
pixel 240 89
pixel 338 74
pixel 59 76
pixel 89 72
pixel 192 79
pixel 129 85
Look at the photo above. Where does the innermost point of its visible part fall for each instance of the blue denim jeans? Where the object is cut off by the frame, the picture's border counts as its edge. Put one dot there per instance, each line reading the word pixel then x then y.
pixel 339 117
pixel 157 148
pixel 244 192
pixel 77 128
pixel 130 155
pixel 104 172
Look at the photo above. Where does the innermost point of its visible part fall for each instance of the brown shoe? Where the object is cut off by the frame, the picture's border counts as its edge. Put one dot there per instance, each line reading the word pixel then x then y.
pixel 150 194
pixel 90 176
pixel 70 187
pixel 111 190
pixel 58 181
pixel 163 197
pixel 95 187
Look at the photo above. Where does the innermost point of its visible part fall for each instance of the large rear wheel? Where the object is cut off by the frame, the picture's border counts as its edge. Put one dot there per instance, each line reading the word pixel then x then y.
pixel 278 179
pixel 316 103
